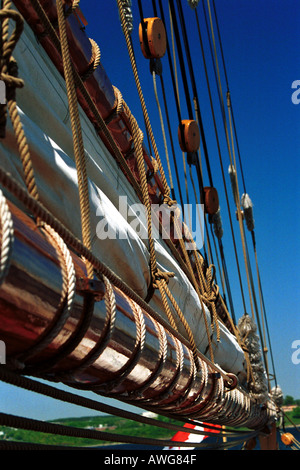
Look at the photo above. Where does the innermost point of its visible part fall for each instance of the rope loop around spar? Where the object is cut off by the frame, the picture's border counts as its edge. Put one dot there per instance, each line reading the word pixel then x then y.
pixel 72 8
pixel 66 302
pixel 102 342
pixel 137 350
pixel 10 42
pixel 6 237
pixel 117 108
pixel 94 62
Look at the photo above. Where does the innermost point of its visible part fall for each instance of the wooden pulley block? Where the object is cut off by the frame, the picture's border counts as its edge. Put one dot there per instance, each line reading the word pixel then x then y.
pixel 153 38
pixel 287 438
pixel 189 135
pixel 210 199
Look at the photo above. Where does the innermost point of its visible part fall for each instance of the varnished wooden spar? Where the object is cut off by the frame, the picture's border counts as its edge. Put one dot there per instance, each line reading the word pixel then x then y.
pixel 103 99
pixel 127 356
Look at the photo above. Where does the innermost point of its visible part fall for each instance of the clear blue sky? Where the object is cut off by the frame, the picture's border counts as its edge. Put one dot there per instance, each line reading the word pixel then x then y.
pixel 261 43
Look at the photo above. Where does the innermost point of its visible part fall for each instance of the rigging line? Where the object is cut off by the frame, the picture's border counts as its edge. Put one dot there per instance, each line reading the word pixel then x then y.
pixel 63 430
pixel 209 259
pixel 263 307
pixel 146 128
pixel 171 142
pixel 221 248
pixel 172 8
pixel 167 116
pixel 77 134
pixel 221 271
pixel 39 211
pixel 227 84
pixel 181 61
pixel 232 160
pixel 237 144
pixel 171 67
pixel 199 215
pixel 20 422
pixel 175 95
pixel 220 159
pixel 168 120
pixel 178 98
pixel 213 52
pixel 231 117
pixel 166 189
pixel 262 340
pixel 49 391
pixel 185 83
pixel 163 131
pixel 192 76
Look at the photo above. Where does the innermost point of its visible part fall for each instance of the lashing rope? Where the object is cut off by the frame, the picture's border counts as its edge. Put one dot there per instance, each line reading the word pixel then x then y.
pixel 79 152
pixel 37 5
pixel 66 301
pixel 6 237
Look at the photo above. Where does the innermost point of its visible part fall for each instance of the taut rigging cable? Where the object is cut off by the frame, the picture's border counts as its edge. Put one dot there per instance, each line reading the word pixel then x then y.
pixel 190 109
pixel 232 159
pixel 221 164
pixel 244 185
pixel 185 84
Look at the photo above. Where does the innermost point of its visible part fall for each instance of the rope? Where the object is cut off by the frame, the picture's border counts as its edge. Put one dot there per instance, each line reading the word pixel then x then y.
pixel 106 333
pixel 72 8
pixel 167 198
pixel 62 430
pixel 40 212
pixel 126 6
pixel 232 157
pixel 155 274
pixel 66 301
pixel 227 83
pixel 6 237
pixel 9 73
pixel 8 70
pixel 193 81
pixel 137 350
pixel 162 128
pixel 219 152
pixel 248 214
pixel 160 279
pixel 100 123
pixel 162 354
pixel 68 397
pixel 40 11
pixel 79 152
pixel 94 62
pixel 42 368
pixel 176 95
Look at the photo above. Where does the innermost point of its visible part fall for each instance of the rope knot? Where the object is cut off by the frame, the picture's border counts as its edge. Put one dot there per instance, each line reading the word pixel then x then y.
pixel 155 165
pixel 159 275
pixel 169 201
pixel 11 79
pixel 212 290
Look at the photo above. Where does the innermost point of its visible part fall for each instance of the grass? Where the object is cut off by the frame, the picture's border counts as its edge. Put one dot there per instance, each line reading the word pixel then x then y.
pixel 106 424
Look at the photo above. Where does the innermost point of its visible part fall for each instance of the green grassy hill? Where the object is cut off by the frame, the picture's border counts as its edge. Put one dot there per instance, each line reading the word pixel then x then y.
pixel 107 424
